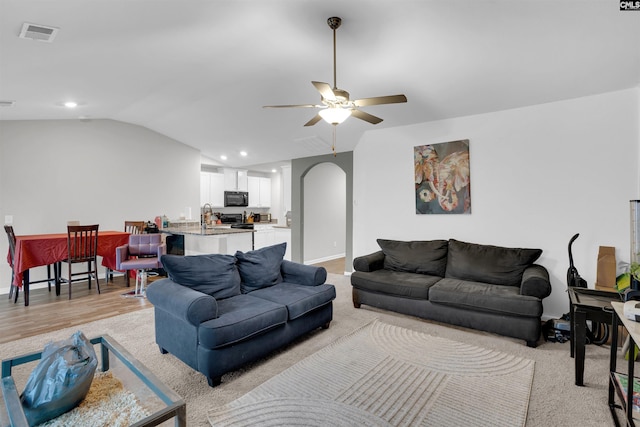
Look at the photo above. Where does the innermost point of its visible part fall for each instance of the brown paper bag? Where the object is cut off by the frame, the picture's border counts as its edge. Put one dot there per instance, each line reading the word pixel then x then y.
pixel 606 275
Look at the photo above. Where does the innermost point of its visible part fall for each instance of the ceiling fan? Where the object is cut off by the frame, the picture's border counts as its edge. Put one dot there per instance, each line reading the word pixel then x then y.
pixel 335 105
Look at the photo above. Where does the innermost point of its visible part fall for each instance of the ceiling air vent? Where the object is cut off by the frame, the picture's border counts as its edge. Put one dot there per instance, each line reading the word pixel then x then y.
pixel 7 103
pixel 41 33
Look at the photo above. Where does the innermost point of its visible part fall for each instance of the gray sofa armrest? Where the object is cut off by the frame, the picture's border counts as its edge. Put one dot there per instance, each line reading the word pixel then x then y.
pixel 371 262
pixel 307 275
pixel 535 282
pixel 181 301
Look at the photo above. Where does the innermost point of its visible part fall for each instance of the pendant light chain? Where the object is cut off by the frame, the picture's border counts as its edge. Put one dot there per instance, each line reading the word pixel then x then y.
pixel 333 144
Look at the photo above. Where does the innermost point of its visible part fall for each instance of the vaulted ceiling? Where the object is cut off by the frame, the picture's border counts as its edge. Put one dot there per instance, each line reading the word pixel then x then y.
pixel 200 71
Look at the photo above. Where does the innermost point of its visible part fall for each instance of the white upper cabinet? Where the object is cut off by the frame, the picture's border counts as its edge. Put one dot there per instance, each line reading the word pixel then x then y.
pixel 259 192
pixel 212 189
pixel 235 180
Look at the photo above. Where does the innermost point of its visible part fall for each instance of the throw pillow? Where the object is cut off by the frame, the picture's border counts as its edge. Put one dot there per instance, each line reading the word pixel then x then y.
pixel 260 268
pixel 489 264
pixel 424 257
pixel 214 274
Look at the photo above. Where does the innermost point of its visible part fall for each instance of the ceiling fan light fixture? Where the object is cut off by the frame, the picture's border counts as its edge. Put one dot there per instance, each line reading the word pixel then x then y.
pixel 335 115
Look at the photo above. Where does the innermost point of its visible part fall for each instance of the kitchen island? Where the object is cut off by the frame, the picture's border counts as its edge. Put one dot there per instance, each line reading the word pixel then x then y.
pixel 215 240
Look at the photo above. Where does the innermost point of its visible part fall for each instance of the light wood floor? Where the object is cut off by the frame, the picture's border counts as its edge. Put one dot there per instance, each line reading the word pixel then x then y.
pixel 47 312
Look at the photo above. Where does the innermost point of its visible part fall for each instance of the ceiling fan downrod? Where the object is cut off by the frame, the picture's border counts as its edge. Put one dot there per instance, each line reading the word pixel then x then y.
pixel 334 23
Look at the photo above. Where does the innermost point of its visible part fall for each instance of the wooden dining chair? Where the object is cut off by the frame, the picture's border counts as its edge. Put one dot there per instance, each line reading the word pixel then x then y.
pixel 82 247
pixel 134 227
pixel 11 236
pixel 12 254
pixel 131 227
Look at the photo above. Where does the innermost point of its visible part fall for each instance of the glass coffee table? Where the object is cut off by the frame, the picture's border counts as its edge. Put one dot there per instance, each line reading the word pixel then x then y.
pixel 163 403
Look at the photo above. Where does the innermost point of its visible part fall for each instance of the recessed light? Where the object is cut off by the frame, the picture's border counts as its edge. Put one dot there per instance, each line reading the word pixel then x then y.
pixel 273 171
pixel 71 104
pixel 243 153
pixel 223 157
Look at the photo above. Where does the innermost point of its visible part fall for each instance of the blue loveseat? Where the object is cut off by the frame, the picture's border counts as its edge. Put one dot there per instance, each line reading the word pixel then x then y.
pixel 219 312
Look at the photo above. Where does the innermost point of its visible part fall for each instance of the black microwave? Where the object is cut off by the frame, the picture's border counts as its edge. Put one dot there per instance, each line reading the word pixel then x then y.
pixel 236 198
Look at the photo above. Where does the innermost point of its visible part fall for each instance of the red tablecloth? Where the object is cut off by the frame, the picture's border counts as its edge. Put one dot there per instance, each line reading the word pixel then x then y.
pixel 43 249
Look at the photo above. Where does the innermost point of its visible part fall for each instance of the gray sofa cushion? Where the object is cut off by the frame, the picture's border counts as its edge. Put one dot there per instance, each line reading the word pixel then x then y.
pixel 398 283
pixel 214 275
pixel 298 299
pixel 489 264
pixel 484 297
pixel 535 282
pixel 240 318
pixel 424 257
pixel 370 262
pixel 260 268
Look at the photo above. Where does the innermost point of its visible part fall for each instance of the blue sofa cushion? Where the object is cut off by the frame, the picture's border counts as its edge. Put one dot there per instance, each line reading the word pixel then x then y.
pixel 424 257
pixel 240 318
pixel 298 299
pixel 488 264
pixel 214 274
pixel 260 268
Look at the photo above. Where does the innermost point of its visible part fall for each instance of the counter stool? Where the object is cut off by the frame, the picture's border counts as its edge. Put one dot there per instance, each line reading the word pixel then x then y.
pixel 143 252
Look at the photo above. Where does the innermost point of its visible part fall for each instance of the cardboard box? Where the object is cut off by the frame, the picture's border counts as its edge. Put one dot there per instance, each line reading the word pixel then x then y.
pixel 606 273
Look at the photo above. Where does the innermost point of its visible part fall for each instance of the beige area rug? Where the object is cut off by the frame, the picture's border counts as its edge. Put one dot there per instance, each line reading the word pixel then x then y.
pixel 384 375
pixel 555 400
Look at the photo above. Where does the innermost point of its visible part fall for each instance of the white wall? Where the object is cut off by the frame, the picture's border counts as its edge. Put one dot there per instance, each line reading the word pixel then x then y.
pixel 324 213
pixel 97 171
pixel 538 175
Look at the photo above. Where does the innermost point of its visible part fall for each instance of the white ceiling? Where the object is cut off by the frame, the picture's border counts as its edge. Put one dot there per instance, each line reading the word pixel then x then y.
pixel 200 71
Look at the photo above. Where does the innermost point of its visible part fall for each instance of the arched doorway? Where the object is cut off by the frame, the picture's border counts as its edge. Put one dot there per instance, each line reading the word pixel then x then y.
pixel 324 213
pixel 299 169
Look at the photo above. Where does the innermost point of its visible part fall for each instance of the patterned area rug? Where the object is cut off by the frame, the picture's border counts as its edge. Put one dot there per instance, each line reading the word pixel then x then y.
pixel 384 375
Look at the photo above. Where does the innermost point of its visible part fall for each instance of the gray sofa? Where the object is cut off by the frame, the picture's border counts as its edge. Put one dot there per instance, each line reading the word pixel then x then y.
pixel 219 312
pixel 484 287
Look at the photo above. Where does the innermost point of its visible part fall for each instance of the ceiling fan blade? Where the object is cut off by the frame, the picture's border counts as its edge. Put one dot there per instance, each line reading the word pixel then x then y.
pixel 366 116
pixel 325 90
pixel 314 120
pixel 377 100
pixel 293 106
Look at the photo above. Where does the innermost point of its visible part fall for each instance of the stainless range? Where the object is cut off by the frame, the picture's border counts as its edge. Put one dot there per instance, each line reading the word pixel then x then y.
pixel 236 221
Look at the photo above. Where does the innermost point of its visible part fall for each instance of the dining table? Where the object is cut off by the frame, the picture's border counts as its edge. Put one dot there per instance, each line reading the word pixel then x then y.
pixel 36 250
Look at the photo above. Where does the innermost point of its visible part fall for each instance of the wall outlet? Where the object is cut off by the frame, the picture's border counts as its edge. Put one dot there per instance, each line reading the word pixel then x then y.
pixel 8 219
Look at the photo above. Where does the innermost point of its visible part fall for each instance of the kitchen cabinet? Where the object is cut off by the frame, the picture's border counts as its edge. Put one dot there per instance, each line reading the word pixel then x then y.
pixel 212 189
pixel 282 234
pixel 263 236
pixel 217 244
pixel 235 180
pixel 259 192
pixel 267 235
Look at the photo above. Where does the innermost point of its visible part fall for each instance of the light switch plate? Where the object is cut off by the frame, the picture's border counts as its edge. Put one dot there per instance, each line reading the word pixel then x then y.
pixel 8 219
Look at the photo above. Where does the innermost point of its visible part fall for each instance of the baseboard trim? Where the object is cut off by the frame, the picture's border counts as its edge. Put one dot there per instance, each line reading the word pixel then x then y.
pixel 325 259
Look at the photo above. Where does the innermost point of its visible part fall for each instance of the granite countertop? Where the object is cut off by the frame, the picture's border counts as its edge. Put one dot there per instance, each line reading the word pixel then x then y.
pixel 199 231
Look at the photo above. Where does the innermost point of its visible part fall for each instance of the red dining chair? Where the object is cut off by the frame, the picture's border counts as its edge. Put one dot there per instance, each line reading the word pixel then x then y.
pixel 82 247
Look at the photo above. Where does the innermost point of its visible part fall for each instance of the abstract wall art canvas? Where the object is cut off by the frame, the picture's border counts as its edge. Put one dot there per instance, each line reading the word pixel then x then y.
pixel 442 178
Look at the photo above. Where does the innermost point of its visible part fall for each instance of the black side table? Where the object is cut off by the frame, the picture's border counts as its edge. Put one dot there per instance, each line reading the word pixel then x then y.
pixel 587 304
